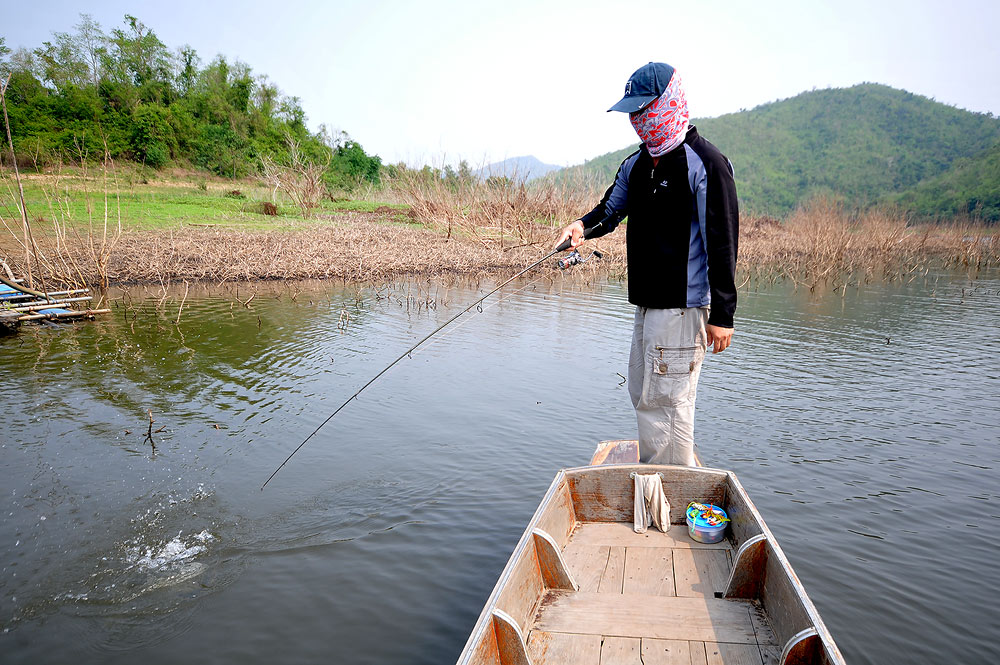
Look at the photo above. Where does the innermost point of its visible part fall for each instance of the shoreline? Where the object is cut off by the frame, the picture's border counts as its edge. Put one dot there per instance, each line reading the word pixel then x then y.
pixel 377 247
pixel 352 246
pixel 177 228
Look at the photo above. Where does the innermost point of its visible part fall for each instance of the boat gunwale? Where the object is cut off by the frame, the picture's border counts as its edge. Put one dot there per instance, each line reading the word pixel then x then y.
pixel 811 612
pixel 484 617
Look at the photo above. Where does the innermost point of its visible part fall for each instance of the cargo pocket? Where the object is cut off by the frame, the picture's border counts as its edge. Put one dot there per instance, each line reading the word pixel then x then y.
pixel 669 372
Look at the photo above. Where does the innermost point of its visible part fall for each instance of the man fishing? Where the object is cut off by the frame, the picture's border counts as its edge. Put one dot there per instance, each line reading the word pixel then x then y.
pixel 678 193
pixel 682 232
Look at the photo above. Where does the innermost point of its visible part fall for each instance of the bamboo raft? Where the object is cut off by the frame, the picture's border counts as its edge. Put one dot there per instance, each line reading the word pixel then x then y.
pixel 581 587
pixel 17 306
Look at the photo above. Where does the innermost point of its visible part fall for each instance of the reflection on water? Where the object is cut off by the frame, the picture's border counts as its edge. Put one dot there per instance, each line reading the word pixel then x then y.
pixel 863 425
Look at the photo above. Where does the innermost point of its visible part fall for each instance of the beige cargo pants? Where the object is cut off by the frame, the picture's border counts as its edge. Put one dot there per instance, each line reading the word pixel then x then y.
pixel 668 347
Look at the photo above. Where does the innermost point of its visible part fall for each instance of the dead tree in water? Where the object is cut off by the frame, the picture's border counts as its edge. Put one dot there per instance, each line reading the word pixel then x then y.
pixel 149 432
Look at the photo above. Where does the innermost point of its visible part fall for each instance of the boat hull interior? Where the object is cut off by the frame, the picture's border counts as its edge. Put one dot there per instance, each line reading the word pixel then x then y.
pixel 583 587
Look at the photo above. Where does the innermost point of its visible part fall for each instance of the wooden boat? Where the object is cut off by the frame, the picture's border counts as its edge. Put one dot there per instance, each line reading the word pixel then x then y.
pixel 582 587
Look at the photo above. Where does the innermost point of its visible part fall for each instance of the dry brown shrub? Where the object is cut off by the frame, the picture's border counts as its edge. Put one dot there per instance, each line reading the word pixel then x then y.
pixel 509 211
pixel 822 244
pixel 819 246
pixel 363 248
pixel 965 243
pixel 62 250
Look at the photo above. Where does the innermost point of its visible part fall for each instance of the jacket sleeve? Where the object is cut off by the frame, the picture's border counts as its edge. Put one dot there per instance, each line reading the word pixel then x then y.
pixel 722 230
pixel 612 209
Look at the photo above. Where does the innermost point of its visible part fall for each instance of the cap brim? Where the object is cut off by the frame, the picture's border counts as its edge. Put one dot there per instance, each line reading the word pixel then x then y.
pixel 633 103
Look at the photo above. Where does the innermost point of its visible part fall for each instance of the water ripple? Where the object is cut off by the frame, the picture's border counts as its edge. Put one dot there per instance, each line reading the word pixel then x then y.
pixel 863 426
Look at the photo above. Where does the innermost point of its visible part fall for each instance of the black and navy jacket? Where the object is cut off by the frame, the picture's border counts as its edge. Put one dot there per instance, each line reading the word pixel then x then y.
pixel 683 227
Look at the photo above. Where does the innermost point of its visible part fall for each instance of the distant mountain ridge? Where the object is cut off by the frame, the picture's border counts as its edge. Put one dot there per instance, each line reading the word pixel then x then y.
pixel 862 145
pixel 523 168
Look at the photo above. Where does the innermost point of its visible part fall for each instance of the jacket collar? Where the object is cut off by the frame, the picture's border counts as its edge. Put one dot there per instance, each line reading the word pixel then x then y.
pixel 689 138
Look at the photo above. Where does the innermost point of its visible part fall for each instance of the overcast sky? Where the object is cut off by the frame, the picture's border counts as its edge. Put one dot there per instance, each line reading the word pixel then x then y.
pixel 437 81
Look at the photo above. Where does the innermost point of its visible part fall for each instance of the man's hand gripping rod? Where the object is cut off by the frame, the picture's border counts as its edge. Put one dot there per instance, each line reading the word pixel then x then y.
pixel 477 303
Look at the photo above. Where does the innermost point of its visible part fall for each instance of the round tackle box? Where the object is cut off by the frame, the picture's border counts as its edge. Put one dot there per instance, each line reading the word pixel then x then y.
pixel 706 522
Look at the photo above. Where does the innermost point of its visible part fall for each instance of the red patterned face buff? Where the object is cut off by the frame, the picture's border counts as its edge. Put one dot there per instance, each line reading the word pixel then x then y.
pixel 663 124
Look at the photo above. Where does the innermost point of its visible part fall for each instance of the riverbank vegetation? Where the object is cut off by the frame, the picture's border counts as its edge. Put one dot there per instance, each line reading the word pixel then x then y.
pixel 122 225
pixel 127 162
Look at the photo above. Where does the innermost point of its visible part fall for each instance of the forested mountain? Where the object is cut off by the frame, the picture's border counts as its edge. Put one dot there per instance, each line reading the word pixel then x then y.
pixel 126 90
pixel 862 145
pixel 970 186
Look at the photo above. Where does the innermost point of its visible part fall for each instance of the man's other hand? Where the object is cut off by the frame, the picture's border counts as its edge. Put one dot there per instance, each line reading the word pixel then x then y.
pixel 574 231
pixel 719 338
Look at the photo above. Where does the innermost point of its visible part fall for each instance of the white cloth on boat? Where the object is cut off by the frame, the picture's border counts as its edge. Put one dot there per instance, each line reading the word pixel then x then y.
pixel 651 506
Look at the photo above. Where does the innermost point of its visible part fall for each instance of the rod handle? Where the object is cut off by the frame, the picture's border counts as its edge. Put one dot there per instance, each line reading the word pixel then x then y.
pixel 586 234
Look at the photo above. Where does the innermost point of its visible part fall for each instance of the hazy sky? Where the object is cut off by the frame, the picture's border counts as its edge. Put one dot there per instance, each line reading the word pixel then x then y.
pixel 434 81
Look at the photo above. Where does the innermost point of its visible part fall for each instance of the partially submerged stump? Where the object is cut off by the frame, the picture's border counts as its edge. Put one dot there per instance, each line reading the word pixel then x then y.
pixel 9 322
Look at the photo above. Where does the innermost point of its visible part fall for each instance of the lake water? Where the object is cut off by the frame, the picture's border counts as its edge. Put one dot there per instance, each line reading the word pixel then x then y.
pixel 865 428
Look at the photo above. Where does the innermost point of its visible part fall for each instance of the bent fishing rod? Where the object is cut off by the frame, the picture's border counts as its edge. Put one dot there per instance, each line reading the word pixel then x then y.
pixel 476 303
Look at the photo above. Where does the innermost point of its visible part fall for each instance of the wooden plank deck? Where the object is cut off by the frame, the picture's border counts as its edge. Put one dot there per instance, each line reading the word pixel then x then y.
pixel 563 647
pixel 621 534
pixel 646 599
pixel 637 615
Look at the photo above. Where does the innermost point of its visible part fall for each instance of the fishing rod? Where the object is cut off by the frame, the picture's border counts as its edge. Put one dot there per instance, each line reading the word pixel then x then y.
pixel 476 303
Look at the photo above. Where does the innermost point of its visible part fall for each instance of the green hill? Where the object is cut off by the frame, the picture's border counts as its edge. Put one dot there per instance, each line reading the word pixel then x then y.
pixel 971 186
pixel 862 145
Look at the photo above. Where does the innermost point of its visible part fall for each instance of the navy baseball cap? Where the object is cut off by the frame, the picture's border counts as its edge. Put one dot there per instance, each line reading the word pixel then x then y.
pixel 644 86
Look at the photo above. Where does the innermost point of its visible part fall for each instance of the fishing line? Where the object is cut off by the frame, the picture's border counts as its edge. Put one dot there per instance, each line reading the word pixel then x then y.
pixel 480 310
pixel 478 304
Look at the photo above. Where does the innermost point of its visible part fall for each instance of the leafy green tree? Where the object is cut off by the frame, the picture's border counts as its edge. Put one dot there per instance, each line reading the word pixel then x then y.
pixel 187 72
pixel 137 54
pixel 264 101
pixel 62 61
pixel 220 150
pixel 92 45
pixel 352 166
pixel 290 110
pixel 151 135
pixel 21 60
